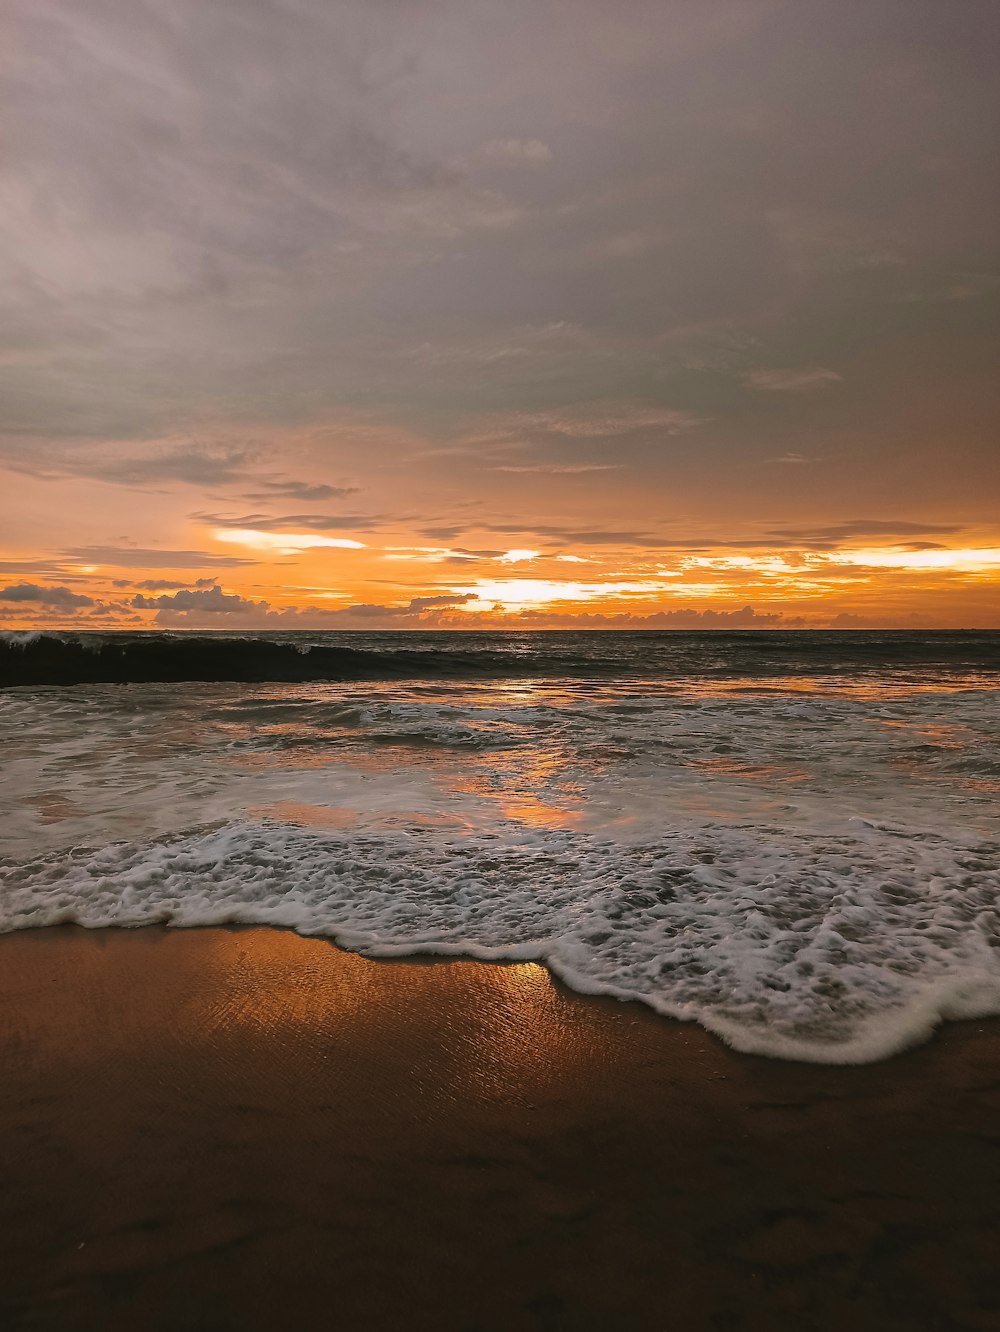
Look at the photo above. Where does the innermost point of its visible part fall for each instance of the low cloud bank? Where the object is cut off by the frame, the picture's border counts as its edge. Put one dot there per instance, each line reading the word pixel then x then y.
pixel 45 596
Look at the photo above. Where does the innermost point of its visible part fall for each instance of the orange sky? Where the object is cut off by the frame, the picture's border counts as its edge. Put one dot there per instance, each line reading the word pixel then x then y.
pixel 495 570
pixel 357 316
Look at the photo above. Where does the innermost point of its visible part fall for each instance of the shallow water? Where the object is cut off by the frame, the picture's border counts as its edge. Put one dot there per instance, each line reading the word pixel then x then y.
pixel 806 863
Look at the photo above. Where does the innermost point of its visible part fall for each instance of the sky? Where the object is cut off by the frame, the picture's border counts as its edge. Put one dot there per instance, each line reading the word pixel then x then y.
pixel 499 313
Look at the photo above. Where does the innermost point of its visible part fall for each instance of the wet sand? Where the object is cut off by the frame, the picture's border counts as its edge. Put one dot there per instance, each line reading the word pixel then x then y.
pixel 245 1130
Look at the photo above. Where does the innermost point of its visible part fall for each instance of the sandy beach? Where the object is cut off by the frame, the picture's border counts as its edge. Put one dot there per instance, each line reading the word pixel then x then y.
pixel 221 1129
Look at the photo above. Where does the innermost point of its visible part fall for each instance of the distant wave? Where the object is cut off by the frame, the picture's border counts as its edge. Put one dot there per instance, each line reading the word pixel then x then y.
pixel 48 659
pixel 67 659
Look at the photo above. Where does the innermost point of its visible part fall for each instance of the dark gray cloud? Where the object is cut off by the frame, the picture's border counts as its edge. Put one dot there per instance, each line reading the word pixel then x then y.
pixel 162 584
pixel 203 467
pixel 414 609
pixel 460 554
pixel 599 536
pixel 289 522
pixel 634 252
pixel 559 469
pixel 193 466
pixel 38 569
pixel 859 528
pixel 282 204
pixel 443 532
pixel 563 532
pixel 419 604
pixel 193 608
pixel 802 380
pixel 45 596
pixel 830 537
pixel 299 490
pixel 135 557
pixel 211 600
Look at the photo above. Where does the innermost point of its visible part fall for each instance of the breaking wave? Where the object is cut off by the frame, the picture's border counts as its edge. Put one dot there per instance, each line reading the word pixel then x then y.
pixel 838 949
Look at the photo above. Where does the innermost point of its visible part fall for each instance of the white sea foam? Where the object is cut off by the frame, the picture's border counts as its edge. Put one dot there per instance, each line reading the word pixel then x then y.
pixel 20 637
pixel 836 949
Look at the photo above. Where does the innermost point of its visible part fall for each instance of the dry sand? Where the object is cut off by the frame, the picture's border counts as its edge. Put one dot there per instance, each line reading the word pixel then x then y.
pixel 243 1129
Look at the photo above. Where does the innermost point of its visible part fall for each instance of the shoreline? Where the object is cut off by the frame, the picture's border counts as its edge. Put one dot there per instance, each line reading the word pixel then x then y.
pixel 227 1128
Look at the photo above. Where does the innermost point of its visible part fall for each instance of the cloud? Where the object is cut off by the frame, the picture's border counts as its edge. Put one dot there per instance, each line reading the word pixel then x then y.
pixel 743 617
pixel 561 469
pixel 195 466
pixel 591 422
pixel 442 533
pixel 210 600
pixel 414 608
pixel 790 381
pixel 737 618
pixel 589 536
pixel 514 152
pixel 194 608
pixel 137 557
pixel 299 490
pixel 312 522
pixel 837 533
pixel 820 538
pixel 963 287
pixel 37 569
pixel 162 584
pixel 419 604
pixel 438 554
pixel 848 620
pixel 45 596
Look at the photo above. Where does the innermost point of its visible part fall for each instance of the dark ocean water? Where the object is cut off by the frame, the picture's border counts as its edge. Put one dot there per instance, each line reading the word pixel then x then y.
pixel 791 838
pixel 97 657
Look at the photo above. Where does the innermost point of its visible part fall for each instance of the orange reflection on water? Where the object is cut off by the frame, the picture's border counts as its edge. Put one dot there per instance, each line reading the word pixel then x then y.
pixel 937 733
pixel 314 816
pixel 53 806
pixel 267 759
pixel 503 694
pixel 732 767
pixel 304 814
pixel 535 813
pixel 512 781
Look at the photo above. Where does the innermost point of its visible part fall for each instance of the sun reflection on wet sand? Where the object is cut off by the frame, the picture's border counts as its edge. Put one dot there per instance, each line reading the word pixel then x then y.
pixel 484 1031
pixel 508 1030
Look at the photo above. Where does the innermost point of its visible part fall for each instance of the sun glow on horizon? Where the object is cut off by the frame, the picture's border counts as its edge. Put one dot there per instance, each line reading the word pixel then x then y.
pixel 790 585
pixel 517 593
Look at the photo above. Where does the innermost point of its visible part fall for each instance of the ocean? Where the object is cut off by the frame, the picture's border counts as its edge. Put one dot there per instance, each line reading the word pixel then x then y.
pixel 792 839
